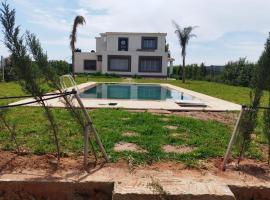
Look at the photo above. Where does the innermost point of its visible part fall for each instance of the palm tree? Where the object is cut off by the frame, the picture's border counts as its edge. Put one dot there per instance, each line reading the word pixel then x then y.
pixel 79 20
pixel 184 35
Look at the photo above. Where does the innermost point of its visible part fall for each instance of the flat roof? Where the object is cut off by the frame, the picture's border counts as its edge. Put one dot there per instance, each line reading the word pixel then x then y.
pixel 132 33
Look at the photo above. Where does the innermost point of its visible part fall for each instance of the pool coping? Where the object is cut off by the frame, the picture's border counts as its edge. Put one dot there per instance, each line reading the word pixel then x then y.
pixel 212 103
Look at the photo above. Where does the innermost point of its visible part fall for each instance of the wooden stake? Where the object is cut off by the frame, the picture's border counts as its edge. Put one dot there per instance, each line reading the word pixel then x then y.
pixel 86 145
pixel 233 137
pixel 89 120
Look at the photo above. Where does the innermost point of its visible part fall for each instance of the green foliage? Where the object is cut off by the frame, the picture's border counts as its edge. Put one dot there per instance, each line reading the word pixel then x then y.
pixel 8 70
pixel 266 127
pixel 238 73
pixel 260 81
pixel 264 83
pixel 61 67
pixel 30 74
pixel 193 72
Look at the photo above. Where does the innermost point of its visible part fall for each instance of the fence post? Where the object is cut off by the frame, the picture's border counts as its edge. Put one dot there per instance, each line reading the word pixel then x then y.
pixel 86 144
pixel 233 137
pixel 89 120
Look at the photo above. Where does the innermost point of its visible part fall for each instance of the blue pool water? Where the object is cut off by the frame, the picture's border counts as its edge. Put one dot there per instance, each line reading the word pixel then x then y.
pixel 134 91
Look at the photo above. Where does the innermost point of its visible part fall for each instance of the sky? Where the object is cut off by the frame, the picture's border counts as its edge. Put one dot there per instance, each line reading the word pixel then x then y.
pixel 227 29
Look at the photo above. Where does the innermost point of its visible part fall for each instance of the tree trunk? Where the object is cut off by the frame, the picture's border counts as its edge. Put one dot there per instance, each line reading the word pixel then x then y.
pixel 73 65
pixel 241 151
pixel 183 70
pixel 53 125
pixel 268 155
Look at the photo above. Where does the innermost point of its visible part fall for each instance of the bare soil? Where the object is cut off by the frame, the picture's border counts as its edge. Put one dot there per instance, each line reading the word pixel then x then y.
pixel 228 118
pixel 177 149
pixel 127 146
pixel 10 161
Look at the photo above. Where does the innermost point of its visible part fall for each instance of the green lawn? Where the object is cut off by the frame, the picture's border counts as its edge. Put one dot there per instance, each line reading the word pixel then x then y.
pixel 208 137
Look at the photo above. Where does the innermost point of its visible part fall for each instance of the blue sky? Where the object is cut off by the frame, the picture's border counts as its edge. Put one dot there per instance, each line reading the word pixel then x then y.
pixel 227 29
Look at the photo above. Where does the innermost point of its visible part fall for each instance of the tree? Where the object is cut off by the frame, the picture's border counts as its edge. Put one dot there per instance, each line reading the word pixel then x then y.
pixel 29 74
pixel 259 82
pixel 60 66
pixel 184 35
pixel 203 71
pixel 79 20
pixel 264 65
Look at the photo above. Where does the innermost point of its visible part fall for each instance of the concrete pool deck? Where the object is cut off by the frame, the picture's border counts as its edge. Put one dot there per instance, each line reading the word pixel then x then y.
pixel 212 103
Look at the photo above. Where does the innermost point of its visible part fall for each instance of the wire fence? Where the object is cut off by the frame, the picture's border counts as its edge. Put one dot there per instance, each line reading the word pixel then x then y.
pixel 49 97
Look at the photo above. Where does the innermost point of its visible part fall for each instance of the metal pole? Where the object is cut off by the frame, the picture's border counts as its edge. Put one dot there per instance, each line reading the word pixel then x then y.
pixel 234 134
pixel 3 68
pixel 89 120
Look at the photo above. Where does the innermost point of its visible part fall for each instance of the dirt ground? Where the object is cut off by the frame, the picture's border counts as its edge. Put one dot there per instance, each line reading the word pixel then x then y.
pixel 11 162
pixel 228 118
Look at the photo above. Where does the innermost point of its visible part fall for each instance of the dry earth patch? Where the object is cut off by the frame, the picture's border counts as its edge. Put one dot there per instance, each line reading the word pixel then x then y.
pixel 177 149
pixel 127 146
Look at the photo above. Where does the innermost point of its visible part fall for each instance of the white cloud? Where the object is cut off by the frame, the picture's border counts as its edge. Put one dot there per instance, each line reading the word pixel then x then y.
pixel 214 18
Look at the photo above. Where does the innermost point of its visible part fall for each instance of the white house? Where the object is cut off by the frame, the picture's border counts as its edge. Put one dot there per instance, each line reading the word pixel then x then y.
pixel 127 54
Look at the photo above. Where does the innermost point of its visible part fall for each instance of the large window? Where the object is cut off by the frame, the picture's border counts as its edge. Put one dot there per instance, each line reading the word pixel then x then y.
pixel 150 64
pixel 122 44
pixel 149 43
pixel 90 64
pixel 119 63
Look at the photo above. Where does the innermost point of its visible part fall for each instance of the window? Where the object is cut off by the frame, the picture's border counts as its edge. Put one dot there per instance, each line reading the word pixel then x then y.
pixel 149 42
pixel 122 44
pixel 90 64
pixel 119 63
pixel 150 64
pixel 99 57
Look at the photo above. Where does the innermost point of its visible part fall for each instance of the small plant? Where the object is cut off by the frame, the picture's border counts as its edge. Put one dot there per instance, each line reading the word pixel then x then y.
pixel 157 188
pixel 28 72
pixel 260 82
pixel 10 128
pixel 266 128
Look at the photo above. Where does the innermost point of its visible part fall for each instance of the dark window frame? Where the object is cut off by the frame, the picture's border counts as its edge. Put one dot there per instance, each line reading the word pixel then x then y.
pixel 159 58
pixel 90 69
pixel 123 38
pixel 99 58
pixel 149 38
pixel 119 57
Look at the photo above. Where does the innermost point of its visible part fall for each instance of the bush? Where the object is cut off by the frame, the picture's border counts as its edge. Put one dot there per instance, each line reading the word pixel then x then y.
pixel 238 73
pixel 62 67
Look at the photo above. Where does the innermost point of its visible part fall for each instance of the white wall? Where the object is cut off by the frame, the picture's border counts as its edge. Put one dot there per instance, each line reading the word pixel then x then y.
pixel 134 44
pixel 79 61
pixel 107 44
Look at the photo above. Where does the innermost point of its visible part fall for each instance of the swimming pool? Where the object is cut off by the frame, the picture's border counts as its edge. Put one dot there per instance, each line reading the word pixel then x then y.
pixel 134 92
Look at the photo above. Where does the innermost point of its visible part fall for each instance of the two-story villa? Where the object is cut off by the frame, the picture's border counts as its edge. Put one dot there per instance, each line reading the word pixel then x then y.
pixel 126 54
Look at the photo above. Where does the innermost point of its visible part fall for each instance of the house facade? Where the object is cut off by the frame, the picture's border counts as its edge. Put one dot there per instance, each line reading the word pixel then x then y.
pixel 126 54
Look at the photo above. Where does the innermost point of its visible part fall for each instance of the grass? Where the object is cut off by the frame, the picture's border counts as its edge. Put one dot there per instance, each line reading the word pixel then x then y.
pixel 209 137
